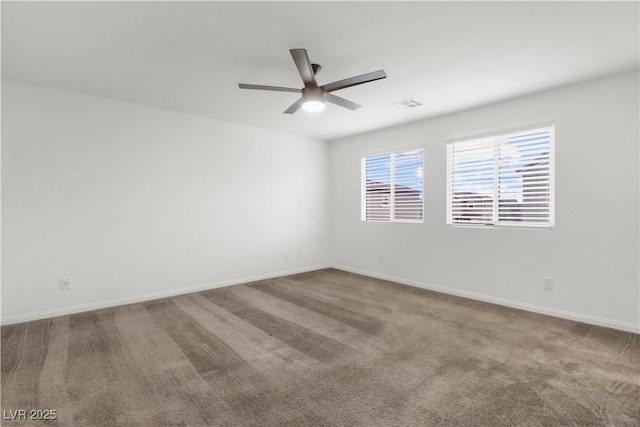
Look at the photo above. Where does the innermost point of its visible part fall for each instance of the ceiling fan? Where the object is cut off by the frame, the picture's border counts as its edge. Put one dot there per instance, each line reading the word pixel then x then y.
pixel 314 96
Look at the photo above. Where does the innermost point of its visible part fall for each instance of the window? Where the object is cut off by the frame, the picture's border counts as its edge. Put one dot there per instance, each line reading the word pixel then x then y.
pixel 502 180
pixel 392 186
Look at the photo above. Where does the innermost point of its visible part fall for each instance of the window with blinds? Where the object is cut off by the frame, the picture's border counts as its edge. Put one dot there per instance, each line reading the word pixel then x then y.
pixel 502 180
pixel 392 186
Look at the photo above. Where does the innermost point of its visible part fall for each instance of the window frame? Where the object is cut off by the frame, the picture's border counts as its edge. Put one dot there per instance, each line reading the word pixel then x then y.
pixel 392 201
pixel 495 137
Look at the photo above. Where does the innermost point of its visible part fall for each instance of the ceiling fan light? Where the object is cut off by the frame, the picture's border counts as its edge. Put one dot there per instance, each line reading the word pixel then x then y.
pixel 313 106
pixel 314 98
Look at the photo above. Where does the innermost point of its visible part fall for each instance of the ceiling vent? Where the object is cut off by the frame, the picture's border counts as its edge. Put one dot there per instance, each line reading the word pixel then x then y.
pixel 408 104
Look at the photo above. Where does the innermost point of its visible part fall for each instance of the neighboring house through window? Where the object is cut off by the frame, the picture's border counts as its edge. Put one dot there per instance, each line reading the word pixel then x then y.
pixel 506 179
pixel 392 186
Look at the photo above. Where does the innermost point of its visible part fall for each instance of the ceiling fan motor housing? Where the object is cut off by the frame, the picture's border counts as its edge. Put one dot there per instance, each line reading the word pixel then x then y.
pixel 314 94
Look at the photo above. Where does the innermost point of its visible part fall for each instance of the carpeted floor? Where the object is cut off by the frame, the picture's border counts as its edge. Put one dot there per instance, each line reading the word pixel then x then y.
pixel 315 349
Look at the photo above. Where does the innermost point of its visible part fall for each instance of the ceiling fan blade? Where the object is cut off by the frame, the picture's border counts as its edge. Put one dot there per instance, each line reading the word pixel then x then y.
pixel 353 81
pixel 274 88
pixel 342 102
pixel 301 58
pixel 295 106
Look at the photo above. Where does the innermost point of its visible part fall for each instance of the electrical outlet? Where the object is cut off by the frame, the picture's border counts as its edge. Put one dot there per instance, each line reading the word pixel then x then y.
pixel 381 259
pixel 299 253
pixel 65 283
pixel 285 255
pixel 548 284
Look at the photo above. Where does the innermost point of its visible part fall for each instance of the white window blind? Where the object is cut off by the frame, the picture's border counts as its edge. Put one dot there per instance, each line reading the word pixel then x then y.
pixel 377 203
pixel 392 186
pixel 502 180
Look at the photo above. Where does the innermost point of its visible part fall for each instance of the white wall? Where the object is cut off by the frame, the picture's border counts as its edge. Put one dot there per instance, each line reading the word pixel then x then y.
pixel 134 202
pixel 592 254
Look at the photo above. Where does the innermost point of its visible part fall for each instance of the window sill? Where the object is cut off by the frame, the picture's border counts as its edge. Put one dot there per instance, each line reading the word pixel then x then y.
pixel 392 222
pixel 526 227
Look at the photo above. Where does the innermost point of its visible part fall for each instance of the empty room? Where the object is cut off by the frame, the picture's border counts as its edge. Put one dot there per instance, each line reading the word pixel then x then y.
pixel 320 213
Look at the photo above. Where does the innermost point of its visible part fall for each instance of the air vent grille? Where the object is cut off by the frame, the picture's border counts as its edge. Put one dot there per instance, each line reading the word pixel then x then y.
pixel 408 104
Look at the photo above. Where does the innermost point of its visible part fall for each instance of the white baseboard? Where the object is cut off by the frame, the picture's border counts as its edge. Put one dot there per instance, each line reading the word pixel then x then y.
pixel 585 318
pixel 8 320
pixel 593 320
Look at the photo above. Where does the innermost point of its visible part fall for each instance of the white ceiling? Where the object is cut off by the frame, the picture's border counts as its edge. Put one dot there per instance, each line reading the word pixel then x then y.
pixel 190 56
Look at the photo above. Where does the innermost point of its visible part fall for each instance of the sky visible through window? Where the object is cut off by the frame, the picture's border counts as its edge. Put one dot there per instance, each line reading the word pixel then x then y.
pixel 408 169
pixel 517 155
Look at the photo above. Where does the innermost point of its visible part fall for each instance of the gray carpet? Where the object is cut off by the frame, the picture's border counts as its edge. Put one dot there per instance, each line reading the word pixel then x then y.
pixel 319 349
